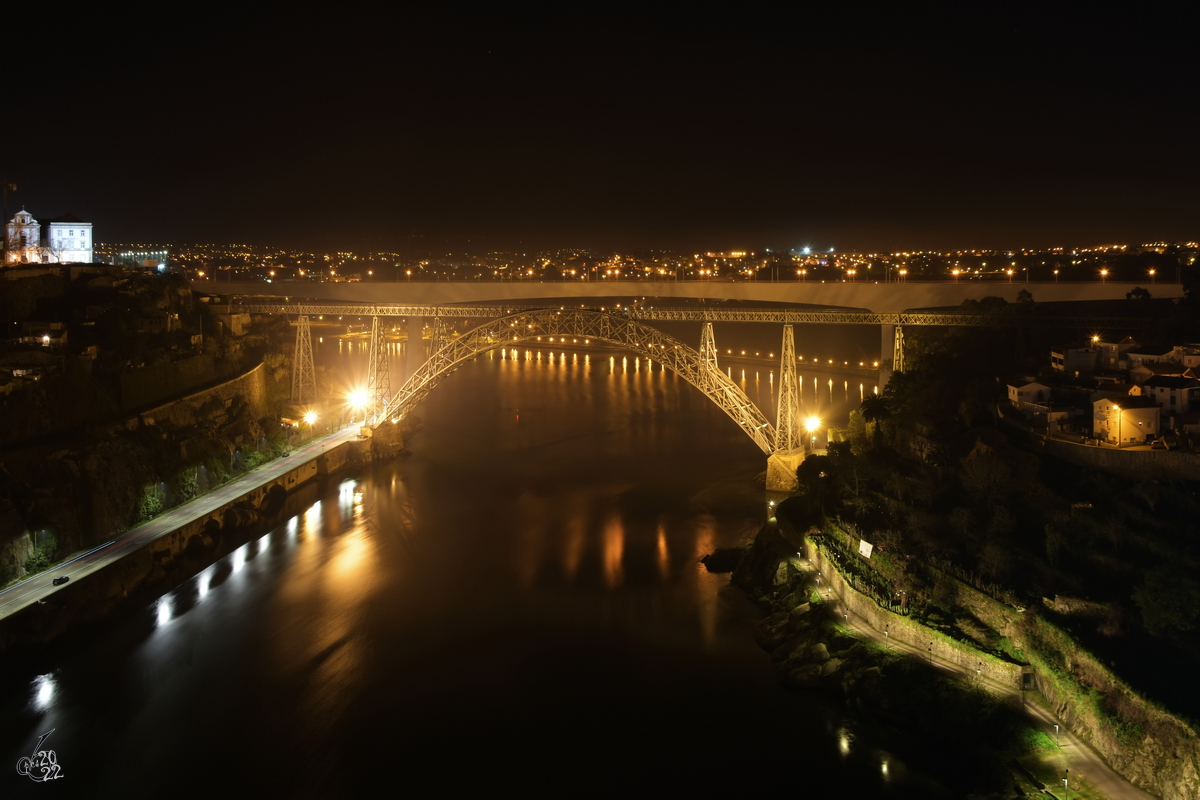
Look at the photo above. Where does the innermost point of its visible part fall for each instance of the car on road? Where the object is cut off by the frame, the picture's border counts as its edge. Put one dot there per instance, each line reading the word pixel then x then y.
pixel 60 580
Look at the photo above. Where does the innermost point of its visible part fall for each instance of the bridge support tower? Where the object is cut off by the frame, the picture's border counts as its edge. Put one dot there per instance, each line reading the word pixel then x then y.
pixel 708 348
pixel 304 375
pixel 891 345
pixel 379 384
pixel 789 449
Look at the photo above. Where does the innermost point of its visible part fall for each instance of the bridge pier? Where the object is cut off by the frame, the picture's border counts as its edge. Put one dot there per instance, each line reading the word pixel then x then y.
pixel 787 420
pixel 891 353
pixel 304 376
pixel 379 384
pixel 781 470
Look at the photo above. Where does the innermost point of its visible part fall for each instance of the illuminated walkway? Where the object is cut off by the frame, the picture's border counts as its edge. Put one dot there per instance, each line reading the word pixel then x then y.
pixel 1075 754
pixel 40 586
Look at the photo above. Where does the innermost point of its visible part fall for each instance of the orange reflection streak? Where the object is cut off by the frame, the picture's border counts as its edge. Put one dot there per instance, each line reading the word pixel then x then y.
pixel 573 552
pixel 614 551
pixel 706 542
pixel 333 586
pixel 664 558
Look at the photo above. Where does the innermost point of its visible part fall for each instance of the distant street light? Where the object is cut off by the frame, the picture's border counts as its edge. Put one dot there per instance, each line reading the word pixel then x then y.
pixel 1103 275
pixel 1056 276
pixel 1152 279
pixel 1056 744
pixel 954 272
pixel 1010 274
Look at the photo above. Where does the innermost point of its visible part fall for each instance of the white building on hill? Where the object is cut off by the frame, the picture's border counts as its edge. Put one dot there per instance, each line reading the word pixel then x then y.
pixel 63 240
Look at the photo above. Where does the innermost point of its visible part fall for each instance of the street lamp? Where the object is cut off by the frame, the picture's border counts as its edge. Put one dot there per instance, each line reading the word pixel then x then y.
pixel 1056 744
pixel 1010 274
pixel 903 274
pixel 1056 276
pixel 812 425
pixel 310 417
pixel 1152 280
pixel 1103 275
pixel 954 272
pixel 1119 421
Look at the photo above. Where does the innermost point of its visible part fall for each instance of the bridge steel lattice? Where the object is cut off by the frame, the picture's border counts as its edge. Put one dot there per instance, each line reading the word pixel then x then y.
pixel 787 422
pixel 591 325
pixel 304 375
pixel 379 382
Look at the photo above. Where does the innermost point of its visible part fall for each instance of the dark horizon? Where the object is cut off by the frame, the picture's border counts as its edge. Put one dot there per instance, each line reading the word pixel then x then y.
pixel 900 130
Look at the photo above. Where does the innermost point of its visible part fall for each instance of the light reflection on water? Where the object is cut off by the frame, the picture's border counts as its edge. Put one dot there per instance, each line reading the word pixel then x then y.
pixel 527 581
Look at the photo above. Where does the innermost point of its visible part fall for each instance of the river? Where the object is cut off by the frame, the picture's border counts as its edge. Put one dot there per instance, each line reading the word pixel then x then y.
pixel 517 605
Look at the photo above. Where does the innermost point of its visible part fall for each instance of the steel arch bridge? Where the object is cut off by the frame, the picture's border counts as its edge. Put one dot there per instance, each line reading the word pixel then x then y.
pixel 597 326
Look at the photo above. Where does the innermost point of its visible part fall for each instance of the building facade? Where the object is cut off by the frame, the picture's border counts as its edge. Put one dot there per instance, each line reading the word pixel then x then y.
pixel 64 240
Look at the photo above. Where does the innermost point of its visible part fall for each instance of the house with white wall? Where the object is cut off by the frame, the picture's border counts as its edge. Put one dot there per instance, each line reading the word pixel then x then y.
pixel 1130 421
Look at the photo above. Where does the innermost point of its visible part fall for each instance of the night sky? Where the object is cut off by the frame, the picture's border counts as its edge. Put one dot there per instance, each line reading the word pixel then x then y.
pixel 370 128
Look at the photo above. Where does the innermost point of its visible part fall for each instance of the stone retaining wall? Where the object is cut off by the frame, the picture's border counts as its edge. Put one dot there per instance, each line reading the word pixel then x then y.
pixel 908 630
pixel 1133 464
pixel 250 386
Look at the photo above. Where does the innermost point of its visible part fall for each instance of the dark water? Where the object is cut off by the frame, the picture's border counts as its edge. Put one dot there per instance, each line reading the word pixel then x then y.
pixel 517 606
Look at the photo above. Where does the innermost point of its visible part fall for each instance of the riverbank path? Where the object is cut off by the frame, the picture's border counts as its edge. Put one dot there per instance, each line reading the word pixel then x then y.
pixel 1077 755
pixel 38 587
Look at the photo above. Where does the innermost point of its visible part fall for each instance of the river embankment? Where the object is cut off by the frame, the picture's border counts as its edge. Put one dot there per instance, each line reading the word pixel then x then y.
pixel 812 649
pixel 167 560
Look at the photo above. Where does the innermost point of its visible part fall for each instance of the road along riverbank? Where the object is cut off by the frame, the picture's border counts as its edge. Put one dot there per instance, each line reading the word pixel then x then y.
pixel 160 554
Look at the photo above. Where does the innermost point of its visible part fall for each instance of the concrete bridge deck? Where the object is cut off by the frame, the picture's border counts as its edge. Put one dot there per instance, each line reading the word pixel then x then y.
pixel 879 297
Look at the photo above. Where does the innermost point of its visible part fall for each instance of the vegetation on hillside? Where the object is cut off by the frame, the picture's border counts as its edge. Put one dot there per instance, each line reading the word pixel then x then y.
pixel 929 476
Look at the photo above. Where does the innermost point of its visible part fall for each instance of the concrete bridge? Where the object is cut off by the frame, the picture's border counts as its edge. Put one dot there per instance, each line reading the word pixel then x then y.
pixel 882 297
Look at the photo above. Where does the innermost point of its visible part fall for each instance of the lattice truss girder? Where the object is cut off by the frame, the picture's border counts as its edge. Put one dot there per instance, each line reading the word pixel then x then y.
pixel 787 425
pixel 709 314
pixel 379 382
pixel 597 326
pixel 708 347
pixel 304 374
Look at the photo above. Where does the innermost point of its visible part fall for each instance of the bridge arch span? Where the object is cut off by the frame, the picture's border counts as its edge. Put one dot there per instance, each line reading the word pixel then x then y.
pixel 597 326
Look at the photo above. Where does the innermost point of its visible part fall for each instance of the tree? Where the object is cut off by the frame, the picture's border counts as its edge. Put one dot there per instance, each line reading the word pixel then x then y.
pixel 1170 602
pixel 875 409
pixel 1137 293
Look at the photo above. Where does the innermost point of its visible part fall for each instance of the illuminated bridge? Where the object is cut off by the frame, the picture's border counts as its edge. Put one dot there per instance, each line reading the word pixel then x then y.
pixel 624 328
